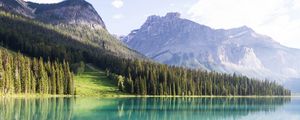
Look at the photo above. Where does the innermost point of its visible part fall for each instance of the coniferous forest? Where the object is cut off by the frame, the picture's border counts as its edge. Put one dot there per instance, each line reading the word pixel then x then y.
pixel 21 74
pixel 155 79
pixel 136 76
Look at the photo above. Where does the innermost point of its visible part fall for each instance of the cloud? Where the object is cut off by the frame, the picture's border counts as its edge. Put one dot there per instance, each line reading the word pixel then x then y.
pixel 276 18
pixel 118 16
pixel 172 4
pixel 45 1
pixel 117 3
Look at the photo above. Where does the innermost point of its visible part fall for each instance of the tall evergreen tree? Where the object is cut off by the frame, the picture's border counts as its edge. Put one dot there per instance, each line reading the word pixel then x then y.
pixel 2 77
pixel 17 79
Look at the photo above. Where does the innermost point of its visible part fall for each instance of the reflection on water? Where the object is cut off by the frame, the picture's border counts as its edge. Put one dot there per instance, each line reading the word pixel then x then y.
pixel 139 108
pixel 36 109
pixel 184 108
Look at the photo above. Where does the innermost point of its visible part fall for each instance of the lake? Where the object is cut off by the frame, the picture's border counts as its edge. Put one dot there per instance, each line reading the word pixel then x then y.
pixel 179 108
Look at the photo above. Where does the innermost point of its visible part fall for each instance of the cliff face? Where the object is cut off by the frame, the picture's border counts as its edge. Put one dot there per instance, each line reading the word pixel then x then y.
pixel 175 41
pixel 78 12
pixel 16 6
pixel 69 12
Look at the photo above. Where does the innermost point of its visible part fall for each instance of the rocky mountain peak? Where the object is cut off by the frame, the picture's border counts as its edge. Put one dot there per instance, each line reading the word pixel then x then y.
pixel 153 18
pixel 74 12
pixel 75 2
pixel 177 41
pixel 168 16
pixel 245 28
pixel 17 7
pixel 68 12
pixel 173 15
pixel 240 29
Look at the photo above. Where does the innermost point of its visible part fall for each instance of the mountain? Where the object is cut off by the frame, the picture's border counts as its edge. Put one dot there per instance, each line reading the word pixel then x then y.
pixel 72 12
pixel 75 18
pixel 16 6
pixel 176 41
pixel 78 12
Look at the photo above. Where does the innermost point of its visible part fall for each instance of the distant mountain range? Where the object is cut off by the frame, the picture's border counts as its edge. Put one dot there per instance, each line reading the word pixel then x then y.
pixel 176 41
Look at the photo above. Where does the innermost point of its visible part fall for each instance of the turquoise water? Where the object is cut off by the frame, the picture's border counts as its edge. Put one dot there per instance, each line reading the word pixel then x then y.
pixel 150 108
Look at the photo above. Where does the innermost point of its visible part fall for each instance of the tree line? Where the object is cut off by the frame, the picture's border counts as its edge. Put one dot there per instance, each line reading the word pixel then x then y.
pixel 20 74
pixel 144 78
pixel 137 76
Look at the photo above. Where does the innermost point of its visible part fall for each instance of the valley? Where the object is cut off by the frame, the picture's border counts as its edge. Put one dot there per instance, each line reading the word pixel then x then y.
pixel 62 61
pixel 80 41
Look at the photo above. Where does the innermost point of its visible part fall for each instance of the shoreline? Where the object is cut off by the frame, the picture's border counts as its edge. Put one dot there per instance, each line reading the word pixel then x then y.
pixel 163 96
pixel 136 96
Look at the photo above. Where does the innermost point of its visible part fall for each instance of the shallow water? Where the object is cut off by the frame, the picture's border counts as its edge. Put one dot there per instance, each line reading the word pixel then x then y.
pixel 150 108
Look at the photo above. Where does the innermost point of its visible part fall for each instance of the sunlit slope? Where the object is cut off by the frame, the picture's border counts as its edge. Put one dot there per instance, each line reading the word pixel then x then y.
pixel 94 82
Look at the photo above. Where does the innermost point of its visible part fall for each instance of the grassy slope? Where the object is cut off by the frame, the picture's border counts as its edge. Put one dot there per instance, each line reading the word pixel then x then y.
pixel 94 82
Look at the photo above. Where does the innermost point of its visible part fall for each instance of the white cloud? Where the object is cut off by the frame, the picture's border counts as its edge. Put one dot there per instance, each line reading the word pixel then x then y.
pixel 276 18
pixel 172 4
pixel 45 1
pixel 117 3
pixel 296 4
pixel 118 16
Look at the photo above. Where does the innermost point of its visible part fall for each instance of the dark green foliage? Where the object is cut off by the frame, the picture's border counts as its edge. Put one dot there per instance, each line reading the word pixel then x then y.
pixel 20 74
pixel 138 76
pixel 78 68
pixel 165 80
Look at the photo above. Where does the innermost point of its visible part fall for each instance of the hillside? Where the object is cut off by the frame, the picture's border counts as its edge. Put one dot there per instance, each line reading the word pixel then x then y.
pixel 71 18
pixel 94 82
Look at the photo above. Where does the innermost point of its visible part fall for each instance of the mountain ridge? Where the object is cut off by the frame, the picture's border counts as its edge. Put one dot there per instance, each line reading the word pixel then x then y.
pixel 69 12
pixel 181 42
pixel 17 6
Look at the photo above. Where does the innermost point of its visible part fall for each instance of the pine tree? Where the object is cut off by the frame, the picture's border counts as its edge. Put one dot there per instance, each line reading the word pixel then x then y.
pixel 28 78
pixel 68 79
pixel 35 77
pixel 33 82
pixel 17 79
pixel 53 80
pixel 2 77
pixel 43 78
pixel 9 81
pixel 23 74
pixel 48 71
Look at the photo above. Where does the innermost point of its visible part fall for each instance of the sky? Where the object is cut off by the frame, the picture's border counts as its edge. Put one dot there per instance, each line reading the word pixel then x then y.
pixel 279 19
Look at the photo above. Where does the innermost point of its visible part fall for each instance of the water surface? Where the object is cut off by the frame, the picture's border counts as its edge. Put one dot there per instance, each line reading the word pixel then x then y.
pixel 150 108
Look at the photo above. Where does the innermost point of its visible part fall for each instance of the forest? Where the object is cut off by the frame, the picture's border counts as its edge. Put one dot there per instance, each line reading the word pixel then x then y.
pixel 136 76
pixel 22 75
pixel 156 79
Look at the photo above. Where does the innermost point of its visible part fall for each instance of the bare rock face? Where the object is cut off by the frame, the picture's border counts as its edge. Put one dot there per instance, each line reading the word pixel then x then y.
pixel 16 6
pixel 68 12
pixel 78 12
pixel 176 41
